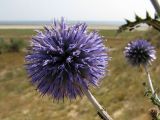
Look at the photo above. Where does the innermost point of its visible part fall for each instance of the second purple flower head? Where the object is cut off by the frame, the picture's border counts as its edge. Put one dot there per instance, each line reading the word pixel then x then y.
pixel 139 52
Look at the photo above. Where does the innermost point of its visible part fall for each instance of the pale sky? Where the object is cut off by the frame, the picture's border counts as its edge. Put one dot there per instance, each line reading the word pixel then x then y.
pixel 95 10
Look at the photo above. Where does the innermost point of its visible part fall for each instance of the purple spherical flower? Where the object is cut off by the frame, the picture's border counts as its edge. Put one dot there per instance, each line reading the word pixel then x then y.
pixel 139 52
pixel 63 59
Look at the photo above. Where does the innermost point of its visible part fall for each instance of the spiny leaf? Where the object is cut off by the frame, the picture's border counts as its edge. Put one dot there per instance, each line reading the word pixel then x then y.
pixel 154 22
pixel 155 16
pixel 127 21
pixel 148 16
pixel 137 17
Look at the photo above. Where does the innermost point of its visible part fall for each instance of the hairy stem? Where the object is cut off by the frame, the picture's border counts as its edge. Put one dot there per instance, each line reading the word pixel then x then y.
pixel 150 83
pixel 149 80
pixel 98 107
pixel 156 6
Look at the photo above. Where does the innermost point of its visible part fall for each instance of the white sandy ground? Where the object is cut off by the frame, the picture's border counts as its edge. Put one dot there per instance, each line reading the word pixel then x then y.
pixel 40 26
pixel 101 27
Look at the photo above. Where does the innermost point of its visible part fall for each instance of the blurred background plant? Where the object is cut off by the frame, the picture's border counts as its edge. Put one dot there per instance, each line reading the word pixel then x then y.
pixel 12 45
pixel 3 46
pixel 16 45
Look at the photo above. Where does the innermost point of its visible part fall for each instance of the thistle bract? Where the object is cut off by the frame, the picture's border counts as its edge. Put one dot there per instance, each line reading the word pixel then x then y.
pixel 63 59
pixel 139 52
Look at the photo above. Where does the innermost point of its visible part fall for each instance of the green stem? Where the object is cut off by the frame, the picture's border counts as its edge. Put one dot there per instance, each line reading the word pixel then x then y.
pixel 95 103
pixel 150 84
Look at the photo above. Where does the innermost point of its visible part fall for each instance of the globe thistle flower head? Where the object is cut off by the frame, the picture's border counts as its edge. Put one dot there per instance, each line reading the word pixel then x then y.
pixel 63 59
pixel 139 52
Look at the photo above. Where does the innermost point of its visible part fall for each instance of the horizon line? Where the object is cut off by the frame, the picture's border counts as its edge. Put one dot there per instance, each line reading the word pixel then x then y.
pixel 40 22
